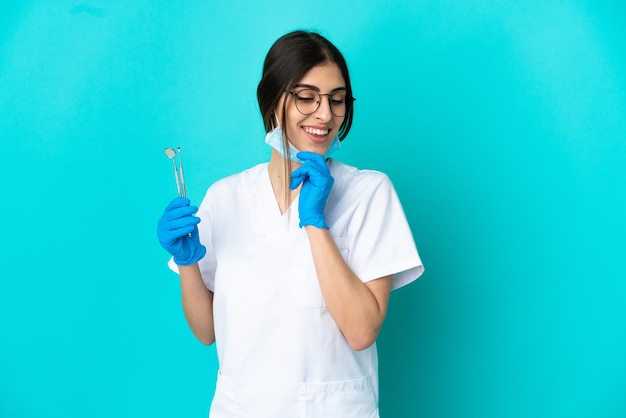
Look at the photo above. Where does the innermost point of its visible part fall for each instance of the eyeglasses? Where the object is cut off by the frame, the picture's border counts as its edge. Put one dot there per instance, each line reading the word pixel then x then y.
pixel 308 101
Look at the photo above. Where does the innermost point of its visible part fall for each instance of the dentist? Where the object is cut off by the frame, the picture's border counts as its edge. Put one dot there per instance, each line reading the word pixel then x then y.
pixel 290 263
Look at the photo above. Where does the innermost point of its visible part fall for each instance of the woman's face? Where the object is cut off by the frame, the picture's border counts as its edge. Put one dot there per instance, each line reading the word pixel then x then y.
pixel 315 132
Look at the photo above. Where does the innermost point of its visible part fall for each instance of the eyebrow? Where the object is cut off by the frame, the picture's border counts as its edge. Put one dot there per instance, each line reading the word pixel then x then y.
pixel 309 86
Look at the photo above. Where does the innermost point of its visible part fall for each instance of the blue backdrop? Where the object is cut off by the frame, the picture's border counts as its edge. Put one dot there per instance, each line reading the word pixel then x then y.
pixel 502 125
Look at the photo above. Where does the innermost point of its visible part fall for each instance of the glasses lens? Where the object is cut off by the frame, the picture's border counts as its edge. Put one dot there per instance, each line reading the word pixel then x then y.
pixel 338 103
pixel 307 101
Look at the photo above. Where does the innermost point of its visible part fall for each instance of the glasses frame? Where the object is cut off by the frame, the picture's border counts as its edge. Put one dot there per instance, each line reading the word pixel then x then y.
pixel 349 100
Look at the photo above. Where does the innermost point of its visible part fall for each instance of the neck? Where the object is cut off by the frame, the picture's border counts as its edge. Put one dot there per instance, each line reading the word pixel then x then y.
pixel 279 170
pixel 278 164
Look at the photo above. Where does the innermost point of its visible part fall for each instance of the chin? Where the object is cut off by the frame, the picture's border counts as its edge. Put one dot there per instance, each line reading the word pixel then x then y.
pixel 316 150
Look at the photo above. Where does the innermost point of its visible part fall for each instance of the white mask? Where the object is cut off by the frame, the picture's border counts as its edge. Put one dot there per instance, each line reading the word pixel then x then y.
pixel 274 139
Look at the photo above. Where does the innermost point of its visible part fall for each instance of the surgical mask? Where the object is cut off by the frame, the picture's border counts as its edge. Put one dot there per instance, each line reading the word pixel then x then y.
pixel 274 139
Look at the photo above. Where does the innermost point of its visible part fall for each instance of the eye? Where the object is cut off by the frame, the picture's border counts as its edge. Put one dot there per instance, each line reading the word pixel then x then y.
pixel 305 99
pixel 306 96
pixel 338 98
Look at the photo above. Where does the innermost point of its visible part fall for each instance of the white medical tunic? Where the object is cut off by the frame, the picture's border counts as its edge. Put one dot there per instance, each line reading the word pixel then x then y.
pixel 280 352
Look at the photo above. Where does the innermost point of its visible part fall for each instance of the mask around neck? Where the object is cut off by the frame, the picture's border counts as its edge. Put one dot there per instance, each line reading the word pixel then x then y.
pixel 274 139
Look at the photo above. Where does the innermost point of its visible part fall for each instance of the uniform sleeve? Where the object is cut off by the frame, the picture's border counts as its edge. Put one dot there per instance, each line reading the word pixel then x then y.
pixel 208 263
pixel 381 242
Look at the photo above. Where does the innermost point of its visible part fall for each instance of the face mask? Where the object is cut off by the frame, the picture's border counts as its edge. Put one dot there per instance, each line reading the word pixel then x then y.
pixel 274 139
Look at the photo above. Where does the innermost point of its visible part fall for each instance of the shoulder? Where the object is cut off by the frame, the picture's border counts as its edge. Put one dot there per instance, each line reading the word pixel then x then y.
pixel 244 179
pixel 360 180
pixel 229 191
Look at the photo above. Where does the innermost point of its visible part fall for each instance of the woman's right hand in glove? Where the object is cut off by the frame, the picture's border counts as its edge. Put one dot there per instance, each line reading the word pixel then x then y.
pixel 178 232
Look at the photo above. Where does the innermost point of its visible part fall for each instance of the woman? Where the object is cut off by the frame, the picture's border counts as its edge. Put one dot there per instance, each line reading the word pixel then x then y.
pixel 291 268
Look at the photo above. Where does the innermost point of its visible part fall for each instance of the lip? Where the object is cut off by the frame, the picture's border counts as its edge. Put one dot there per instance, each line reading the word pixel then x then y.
pixel 318 139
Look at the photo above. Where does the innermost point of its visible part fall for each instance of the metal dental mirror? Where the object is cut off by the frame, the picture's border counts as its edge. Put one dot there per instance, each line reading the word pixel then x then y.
pixel 180 179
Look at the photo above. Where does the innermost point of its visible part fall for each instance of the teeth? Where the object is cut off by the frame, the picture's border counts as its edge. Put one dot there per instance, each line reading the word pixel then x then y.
pixel 316 131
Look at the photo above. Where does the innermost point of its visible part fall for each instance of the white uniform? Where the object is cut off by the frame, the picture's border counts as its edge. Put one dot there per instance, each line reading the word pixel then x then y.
pixel 279 350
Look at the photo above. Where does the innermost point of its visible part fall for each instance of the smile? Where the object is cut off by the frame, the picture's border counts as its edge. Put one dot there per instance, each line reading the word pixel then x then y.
pixel 314 131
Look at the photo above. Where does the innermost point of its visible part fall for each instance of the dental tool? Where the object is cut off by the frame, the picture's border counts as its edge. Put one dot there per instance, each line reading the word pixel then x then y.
pixel 179 174
pixel 182 174
pixel 180 179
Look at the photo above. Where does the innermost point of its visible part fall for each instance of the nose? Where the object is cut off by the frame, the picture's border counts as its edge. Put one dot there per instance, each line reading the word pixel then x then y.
pixel 323 112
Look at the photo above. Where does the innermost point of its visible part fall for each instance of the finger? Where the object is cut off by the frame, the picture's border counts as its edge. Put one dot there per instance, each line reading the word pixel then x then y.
pixel 303 174
pixel 297 177
pixel 316 160
pixel 318 176
pixel 174 224
pixel 177 203
pixel 174 234
pixel 182 232
pixel 310 156
pixel 180 212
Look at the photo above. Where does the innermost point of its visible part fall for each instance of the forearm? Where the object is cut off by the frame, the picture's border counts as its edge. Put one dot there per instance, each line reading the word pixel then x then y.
pixel 358 310
pixel 197 303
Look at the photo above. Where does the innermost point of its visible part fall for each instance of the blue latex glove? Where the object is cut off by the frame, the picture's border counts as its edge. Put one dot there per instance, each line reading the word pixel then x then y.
pixel 316 184
pixel 178 232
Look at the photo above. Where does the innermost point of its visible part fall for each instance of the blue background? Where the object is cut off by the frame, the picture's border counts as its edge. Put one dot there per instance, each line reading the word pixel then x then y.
pixel 502 125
